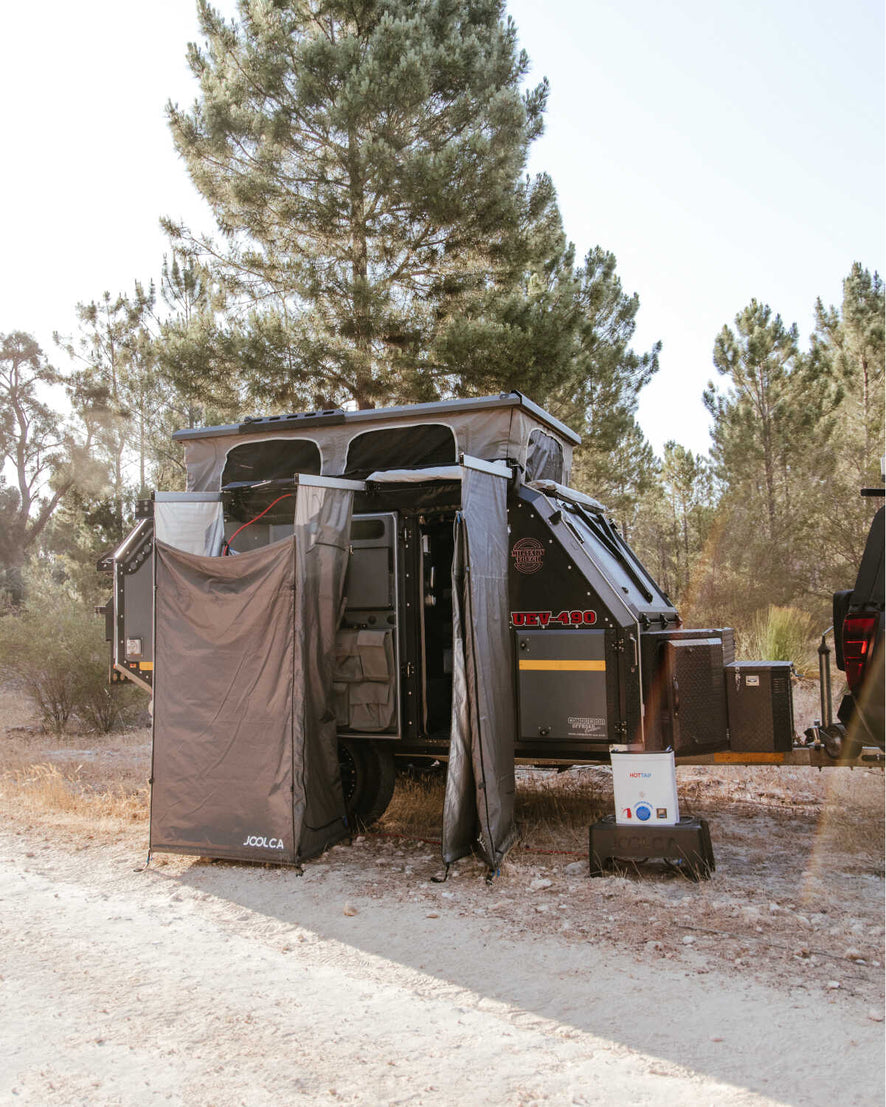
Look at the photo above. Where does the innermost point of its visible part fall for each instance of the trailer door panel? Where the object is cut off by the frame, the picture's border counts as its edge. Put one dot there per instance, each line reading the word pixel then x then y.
pixel 562 685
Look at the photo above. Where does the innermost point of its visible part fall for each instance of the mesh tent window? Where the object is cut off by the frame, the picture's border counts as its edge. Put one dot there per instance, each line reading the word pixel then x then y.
pixel 271 459
pixel 403 447
pixel 544 458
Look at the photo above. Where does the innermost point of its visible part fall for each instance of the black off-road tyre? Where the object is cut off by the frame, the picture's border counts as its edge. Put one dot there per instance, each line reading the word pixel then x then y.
pixel 367 777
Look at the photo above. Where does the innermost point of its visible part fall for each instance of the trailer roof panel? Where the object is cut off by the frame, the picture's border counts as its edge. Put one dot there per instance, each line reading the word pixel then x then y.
pixel 338 416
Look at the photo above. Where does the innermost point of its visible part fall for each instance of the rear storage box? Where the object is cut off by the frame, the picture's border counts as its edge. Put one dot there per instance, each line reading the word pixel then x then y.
pixel 759 706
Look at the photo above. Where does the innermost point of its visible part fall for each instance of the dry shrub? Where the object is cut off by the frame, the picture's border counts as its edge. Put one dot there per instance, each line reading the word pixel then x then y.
pixel 54 647
pixel 781 634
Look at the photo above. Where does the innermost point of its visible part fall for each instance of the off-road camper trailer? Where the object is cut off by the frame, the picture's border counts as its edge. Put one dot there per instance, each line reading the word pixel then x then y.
pixel 473 592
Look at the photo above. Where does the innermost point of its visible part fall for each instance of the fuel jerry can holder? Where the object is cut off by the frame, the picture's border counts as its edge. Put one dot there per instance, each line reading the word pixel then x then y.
pixel 687 843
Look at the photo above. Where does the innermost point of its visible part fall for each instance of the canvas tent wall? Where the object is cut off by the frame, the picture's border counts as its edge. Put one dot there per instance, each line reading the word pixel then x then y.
pixel 244 762
pixel 357 442
pixel 478 809
pixel 245 747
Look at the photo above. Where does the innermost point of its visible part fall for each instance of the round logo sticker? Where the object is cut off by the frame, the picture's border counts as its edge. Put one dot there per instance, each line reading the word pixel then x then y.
pixel 528 555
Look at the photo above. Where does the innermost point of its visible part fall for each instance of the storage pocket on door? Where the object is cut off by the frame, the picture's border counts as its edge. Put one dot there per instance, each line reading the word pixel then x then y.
pixel 364 679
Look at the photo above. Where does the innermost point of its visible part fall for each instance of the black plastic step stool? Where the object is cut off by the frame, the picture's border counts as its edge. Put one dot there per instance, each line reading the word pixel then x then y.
pixel 687 842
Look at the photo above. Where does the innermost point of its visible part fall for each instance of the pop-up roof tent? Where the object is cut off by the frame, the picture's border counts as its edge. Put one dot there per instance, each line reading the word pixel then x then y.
pixel 244 762
pixel 356 443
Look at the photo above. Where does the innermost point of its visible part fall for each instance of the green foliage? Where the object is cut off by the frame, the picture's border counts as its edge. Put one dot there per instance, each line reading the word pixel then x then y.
pixel 775 517
pixel 851 344
pixel 618 477
pixel 781 634
pixel 198 362
pixel 116 391
pixel 36 450
pixel 54 646
pixel 82 530
pixel 363 162
pixel 675 517
pixel 381 244
pixel 772 427
pixel 848 346
pixel 755 419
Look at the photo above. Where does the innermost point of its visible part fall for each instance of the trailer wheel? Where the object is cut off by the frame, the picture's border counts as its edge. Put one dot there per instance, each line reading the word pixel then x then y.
pixel 367 778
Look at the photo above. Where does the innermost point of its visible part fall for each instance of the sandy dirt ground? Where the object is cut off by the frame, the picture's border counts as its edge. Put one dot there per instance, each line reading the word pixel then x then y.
pixel 363 981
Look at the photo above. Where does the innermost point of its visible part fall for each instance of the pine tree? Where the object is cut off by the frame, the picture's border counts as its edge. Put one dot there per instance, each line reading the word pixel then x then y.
pixel 196 360
pixel 772 435
pixel 848 346
pixel 851 342
pixel 755 419
pixel 364 162
pixel 115 392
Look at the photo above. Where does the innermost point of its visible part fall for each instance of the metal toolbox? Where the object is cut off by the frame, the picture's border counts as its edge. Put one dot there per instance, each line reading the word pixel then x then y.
pixel 759 706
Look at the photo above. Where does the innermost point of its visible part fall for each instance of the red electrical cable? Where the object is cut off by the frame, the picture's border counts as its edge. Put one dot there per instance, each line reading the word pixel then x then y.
pixel 226 548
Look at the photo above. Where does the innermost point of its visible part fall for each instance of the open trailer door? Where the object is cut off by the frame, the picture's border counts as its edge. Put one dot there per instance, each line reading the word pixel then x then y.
pixel 478 806
pixel 244 756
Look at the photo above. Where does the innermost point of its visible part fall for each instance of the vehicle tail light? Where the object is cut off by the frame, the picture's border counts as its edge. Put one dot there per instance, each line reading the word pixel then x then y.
pixel 858 644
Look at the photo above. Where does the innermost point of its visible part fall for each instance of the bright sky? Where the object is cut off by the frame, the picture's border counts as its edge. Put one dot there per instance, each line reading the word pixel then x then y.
pixel 721 151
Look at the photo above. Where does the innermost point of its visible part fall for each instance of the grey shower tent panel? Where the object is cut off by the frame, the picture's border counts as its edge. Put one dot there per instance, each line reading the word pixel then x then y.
pixel 478 805
pixel 478 808
pixel 244 755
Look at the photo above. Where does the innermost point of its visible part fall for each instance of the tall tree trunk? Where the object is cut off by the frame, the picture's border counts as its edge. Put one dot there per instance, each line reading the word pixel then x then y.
pixel 363 383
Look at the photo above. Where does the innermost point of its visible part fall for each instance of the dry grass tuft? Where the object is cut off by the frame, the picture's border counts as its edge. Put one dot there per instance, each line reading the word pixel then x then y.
pixel 416 810
pixel 553 809
pixel 781 634
pixel 45 788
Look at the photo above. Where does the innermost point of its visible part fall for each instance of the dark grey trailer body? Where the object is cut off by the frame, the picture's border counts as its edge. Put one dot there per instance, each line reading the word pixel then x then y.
pixel 489 613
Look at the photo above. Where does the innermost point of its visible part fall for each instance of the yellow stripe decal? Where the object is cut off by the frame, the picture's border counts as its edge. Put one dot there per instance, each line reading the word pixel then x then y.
pixel 735 758
pixel 569 666
pixel 146 665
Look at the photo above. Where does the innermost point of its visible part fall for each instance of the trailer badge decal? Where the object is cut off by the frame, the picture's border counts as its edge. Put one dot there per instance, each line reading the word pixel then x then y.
pixel 585 726
pixel 264 843
pixel 546 618
pixel 528 555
